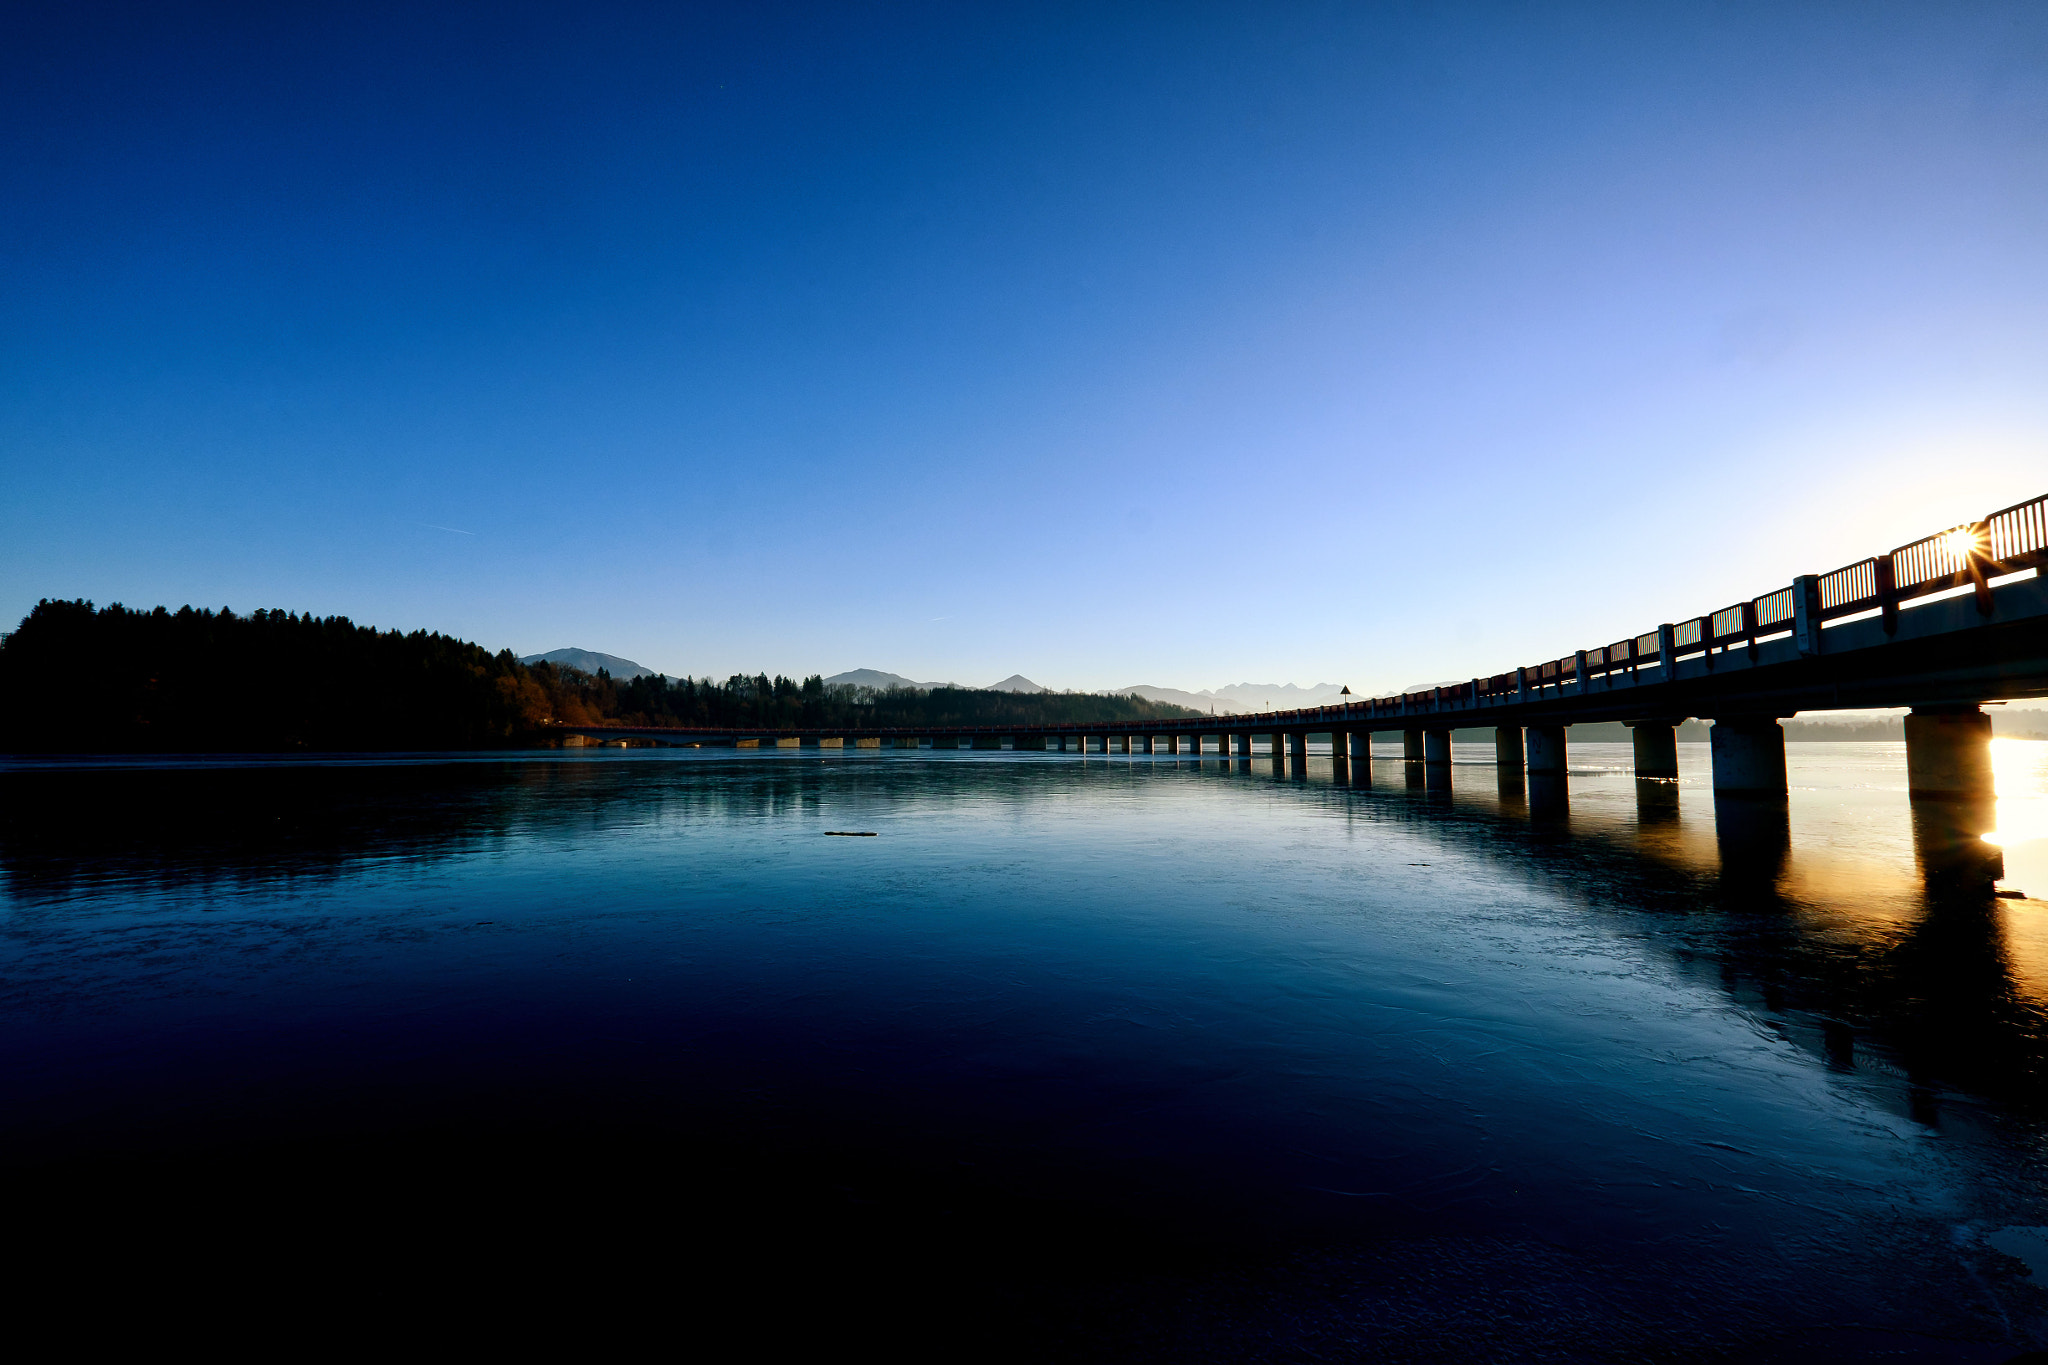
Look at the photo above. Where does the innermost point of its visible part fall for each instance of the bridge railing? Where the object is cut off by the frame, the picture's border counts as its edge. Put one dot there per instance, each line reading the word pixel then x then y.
pixel 2005 542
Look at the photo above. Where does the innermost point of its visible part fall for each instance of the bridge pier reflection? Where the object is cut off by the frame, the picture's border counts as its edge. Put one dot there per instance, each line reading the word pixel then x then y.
pixel 1549 801
pixel 1949 846
pixel 1656 800
pixel 1753 834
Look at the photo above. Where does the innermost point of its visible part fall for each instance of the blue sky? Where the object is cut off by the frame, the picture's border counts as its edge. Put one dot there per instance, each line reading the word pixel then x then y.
pixel 1170 344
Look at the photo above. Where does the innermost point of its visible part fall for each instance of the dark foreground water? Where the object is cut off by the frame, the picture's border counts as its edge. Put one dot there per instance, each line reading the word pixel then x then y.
pixel 1115 1058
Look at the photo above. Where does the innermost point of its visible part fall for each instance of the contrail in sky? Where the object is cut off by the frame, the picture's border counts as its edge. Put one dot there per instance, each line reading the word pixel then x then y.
pixel 456 529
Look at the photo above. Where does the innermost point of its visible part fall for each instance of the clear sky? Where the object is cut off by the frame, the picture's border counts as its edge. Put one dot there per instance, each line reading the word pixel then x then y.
pixel 1109 344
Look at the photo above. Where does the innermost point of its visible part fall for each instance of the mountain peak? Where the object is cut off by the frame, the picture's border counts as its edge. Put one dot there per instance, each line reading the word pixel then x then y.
pixel 1016 682
pixel 589 660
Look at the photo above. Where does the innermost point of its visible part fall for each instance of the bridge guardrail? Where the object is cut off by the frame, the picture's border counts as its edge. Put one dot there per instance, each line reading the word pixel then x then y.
pixel 2008 541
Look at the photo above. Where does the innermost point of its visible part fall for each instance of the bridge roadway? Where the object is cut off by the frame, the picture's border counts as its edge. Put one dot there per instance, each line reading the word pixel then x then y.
pixel 1942 626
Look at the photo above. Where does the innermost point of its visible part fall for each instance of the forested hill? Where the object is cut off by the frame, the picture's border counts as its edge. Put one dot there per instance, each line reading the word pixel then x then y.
pixel 75 679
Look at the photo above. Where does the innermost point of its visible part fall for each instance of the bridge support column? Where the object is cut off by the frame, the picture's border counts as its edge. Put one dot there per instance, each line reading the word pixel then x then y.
pixel 985 742
pixel 1546 750
pixel 1656 746
pixel 1117 744
pixel 1411 746
pixel 788 742
pixel 907 741
pixel 944 742
pixel 1436 758
pixel 868 742
pixel 1297 745
pixel 1148 744
pixel 1749 756
pixel 1035 743
pixel 1436 748
pixel 1948 752
pixel 1507 748
pixel 839 742
pixel 1360 745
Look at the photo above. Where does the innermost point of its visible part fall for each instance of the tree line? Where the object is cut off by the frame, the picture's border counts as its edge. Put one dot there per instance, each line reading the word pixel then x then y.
pixel 80 679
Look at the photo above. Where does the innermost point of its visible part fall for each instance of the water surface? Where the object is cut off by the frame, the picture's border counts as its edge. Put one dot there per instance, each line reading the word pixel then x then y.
pixel 1116 1057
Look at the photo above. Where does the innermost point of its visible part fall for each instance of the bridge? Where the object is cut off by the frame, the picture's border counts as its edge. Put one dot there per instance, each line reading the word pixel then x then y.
pixel 1943 626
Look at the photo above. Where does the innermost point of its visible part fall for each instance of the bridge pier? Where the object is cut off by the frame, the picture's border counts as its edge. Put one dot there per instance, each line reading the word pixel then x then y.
pixel 1749 756
pixel 985 742
pixel 1411 746
pixel 1034 743
pixel 903 742
pixel 839 742
pixel 1656 747
pixel 943 742
pixel 1546 750
pixel 1948 752
pixel 1436 758
pixel 1507 748
pixel 788 742
pixel 868 742
pixel 1359 745
pixel 1297 745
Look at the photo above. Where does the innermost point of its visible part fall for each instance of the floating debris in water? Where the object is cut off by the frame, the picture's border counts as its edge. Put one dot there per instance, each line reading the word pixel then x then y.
pixel 852 833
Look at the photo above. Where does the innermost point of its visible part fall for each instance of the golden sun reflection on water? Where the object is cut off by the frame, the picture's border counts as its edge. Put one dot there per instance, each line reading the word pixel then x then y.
pixel 2020 768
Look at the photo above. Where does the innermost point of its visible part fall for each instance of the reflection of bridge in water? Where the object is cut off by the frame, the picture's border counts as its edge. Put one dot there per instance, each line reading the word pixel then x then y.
pixel 1890 954
pixel 1942 625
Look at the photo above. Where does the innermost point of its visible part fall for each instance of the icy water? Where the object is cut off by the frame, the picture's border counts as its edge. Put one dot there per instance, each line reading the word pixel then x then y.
pixel 1107 1058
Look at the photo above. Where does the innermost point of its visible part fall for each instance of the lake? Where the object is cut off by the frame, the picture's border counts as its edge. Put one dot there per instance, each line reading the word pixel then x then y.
pixel 1115 1057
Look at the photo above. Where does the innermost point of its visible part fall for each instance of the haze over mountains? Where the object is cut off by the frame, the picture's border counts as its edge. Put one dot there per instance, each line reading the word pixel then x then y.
pixel 875 677
pixel 1237 697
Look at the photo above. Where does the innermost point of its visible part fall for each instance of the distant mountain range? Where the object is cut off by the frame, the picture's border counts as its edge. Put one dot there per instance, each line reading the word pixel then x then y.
pixel 1240 697
pixel 589 660
pixel 875 677
pixel 1224 701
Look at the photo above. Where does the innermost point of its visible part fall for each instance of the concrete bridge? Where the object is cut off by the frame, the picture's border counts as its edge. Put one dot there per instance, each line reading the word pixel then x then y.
pixel 1942 625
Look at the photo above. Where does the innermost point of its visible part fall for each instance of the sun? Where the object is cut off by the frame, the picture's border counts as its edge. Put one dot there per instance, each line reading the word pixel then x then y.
pixel 1961 542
